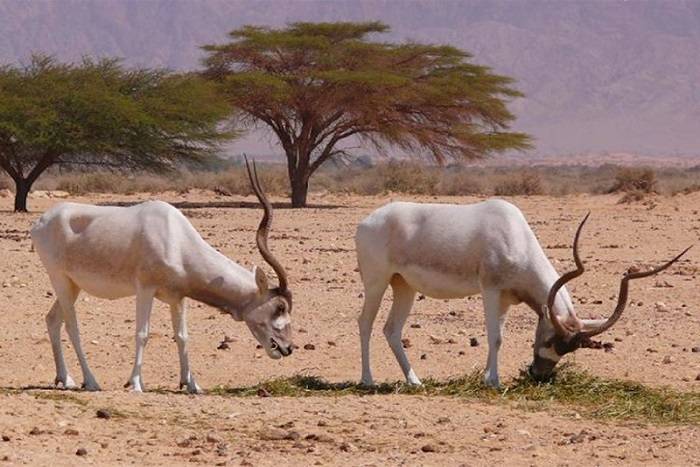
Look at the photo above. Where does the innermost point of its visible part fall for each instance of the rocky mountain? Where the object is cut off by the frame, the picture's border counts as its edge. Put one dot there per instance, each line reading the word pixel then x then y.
pixel 599 75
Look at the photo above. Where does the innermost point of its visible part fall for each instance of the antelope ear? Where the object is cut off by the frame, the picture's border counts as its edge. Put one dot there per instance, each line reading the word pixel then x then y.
pixel 260 279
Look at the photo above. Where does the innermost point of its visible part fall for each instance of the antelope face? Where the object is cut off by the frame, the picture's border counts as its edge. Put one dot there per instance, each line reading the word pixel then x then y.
pixel 556 337
pixel 549 348
pixel 270 322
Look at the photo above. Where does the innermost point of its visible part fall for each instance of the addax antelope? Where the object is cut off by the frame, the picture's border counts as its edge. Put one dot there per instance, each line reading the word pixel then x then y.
pixel 151 250
pixel 453 251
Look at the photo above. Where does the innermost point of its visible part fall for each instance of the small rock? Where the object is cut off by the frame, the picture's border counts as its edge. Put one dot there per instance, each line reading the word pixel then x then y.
pixel 435 340
pixel 361 295
pixel 275 434
pixel 473 342
pixel 222 449
pixel 461 352
pixel 321 438
pixel 5 438
pixel 71 432
pixel 697 378
pixel 660 307
pixel 223 346
pixel 104 413
pixel 212 438
pixel 650 350
pixel 695 350
pixel 406 343
pixel 322 423
pixel 424 356
pixel 667 359
pixel 35 431
pixel 608 346
pixel 443 420
pixel 420 297
pixel 81 452
pixel 331 343
pixel 428 448
pixel 597 302
pixel 262 392
pixel 416 325
pixel 309 347
pixel 347 447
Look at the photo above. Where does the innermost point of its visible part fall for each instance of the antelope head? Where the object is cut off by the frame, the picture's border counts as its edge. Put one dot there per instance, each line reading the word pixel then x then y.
pixel 556 337
pixel 268 315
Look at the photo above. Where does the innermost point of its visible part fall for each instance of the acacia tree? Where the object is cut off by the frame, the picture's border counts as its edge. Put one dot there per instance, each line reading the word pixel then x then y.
pixel 318 84
pixel 99 113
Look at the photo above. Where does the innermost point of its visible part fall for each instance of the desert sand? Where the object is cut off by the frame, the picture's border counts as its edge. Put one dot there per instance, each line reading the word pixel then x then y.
pixel 652 345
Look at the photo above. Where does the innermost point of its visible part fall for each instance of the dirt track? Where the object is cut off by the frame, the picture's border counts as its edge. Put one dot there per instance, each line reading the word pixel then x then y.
pixel 652 345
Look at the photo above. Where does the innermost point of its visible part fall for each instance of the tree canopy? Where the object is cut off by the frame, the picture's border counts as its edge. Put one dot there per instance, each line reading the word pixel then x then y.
pixel 98 112
pixel 318 84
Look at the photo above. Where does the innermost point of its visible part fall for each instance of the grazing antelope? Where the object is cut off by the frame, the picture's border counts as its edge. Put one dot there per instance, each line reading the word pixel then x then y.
pixel 453 251
pixel 151 250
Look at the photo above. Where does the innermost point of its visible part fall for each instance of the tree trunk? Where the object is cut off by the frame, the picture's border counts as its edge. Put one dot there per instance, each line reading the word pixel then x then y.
pixel 22 187
pixel 300 188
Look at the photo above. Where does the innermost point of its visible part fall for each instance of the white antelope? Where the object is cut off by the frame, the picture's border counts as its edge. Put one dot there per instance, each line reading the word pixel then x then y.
pixel 151 250
pixel 454 251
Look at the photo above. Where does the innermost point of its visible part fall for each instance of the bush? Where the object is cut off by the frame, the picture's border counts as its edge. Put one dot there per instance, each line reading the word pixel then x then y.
pixel 404 177
pixel 6 183
pixel 631 179
pixel 95 182
pixel 459 182
pixel 527 183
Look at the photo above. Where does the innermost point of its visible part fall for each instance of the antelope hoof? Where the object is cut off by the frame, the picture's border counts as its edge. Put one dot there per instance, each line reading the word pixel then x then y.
pixel 191 387
pixel 91 386
pixel 412 379
pixel 491 381
pixel 368 383
pixel 66 382
pixel 135 384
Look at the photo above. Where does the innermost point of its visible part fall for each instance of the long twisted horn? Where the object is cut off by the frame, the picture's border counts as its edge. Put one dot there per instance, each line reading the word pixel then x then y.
pixel 566 277
pixel 622 297
pixel 264 227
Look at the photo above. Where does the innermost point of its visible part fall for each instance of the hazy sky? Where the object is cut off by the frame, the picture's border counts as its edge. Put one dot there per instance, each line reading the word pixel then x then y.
pixel 598 75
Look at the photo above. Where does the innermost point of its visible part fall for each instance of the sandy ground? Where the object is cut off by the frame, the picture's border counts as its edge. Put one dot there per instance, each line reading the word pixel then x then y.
pixel 652 345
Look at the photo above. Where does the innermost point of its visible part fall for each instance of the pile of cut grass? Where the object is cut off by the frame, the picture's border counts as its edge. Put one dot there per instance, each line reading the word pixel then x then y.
pixel 587 394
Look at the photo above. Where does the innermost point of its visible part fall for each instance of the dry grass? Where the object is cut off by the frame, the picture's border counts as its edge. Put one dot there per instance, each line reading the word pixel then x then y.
pixel 635 179
pixel 591 396
pixel 399 177
pixel 526 183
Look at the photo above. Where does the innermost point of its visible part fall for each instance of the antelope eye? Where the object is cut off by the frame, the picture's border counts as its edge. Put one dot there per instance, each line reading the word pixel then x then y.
pixel 280 308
